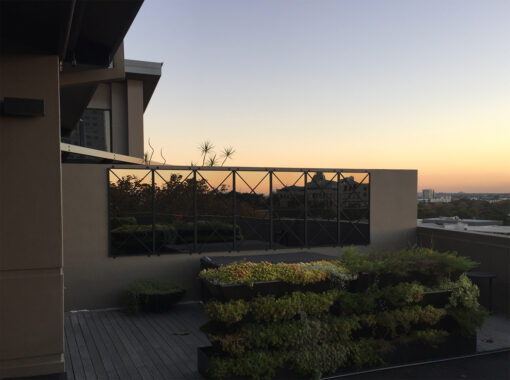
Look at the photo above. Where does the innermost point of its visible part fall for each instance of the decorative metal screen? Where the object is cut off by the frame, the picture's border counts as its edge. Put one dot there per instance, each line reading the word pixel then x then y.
pixel 203 209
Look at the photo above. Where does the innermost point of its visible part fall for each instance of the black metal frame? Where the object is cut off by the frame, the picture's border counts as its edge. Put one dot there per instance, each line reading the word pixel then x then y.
pixel 343 200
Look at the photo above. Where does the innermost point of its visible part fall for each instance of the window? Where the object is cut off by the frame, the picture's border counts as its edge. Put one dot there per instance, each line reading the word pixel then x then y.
pixel 93 130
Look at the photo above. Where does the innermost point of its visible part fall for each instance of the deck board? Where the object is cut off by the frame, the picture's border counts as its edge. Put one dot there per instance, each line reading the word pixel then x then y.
pixel 116 346
pixel 113 345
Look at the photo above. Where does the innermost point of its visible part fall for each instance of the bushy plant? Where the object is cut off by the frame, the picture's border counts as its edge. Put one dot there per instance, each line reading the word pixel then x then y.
pixel 355 303
pixel 316 360
pixel 256 365
pixel 463 305
pixel 300 274
pixel 404 264
pixel 367 352
pixel 139 293
pixel 285 334
pixel 229 312
pixel 401 294
pixel 390 324
pixel 272 309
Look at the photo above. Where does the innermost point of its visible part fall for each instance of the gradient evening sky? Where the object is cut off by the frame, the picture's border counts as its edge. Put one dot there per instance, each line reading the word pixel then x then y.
pixel 342 84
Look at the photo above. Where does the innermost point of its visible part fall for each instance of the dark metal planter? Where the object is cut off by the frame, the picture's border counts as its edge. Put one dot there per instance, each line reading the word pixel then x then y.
pixel 453 345
pixel 263 288
pixel 159 303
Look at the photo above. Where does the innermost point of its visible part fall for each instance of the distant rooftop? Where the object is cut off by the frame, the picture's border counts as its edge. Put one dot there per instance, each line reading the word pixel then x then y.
pixel 454 219
pixel 468 225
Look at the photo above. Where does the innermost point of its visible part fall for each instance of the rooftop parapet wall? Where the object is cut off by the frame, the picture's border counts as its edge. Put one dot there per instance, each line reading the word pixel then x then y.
pixel 491 251
pixel 93 279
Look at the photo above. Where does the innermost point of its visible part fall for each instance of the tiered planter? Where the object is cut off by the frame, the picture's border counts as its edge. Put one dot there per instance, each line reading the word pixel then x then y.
pixel 426 315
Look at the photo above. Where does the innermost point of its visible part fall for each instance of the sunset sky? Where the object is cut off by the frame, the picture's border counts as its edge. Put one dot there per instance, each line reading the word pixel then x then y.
pixel 329 83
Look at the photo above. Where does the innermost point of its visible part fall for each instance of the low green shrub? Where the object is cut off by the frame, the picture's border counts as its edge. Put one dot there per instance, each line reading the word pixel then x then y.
pixel 428 264
pixel 228 312
pixel 272 309
pixel 355 303
pixel 317 360
pixel 404 293
pixel 394 323
pixel 139 293
pixel 256 365
pixel 367 352
pixel 299 274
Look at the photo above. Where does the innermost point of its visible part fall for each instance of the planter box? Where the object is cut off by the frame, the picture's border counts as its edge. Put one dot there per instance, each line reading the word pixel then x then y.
pixel 263 288
pixel 159 303
pixel 453 345
pixel 412 352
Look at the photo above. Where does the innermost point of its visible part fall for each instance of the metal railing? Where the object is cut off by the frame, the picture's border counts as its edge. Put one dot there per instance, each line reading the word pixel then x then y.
pixel 176 209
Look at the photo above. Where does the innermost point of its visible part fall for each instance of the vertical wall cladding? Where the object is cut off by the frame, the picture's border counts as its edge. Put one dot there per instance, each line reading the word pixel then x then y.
pixel 96 280
pixel 31 280
pixel 119 118
pixel 135 117
pixel 393 208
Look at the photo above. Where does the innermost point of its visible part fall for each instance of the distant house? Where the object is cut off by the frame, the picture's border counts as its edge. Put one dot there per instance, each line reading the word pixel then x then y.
pixel 322 194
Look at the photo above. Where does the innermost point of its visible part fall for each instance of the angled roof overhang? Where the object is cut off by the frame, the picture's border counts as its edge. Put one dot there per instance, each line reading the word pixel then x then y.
pixel 148 72
pixel 78 31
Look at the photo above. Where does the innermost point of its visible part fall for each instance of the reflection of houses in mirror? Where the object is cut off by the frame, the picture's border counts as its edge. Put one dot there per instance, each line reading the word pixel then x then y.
pixel 322 196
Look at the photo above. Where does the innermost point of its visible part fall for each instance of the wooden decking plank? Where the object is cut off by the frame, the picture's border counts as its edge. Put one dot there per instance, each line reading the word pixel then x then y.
pixel 156 348
pixel 93 351
pixel 112 345
pixel 147 354
pixel 127 367
pixel 78 371
pixel 82 348
pixel 173 346
pixel 105 354
pixel 195 320
pixel 68 360
pixel 177 325
pixel 117 362
pixel 141 367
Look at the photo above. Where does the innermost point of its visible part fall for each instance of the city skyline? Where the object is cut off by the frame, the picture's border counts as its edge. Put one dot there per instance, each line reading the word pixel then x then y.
pixel 395 85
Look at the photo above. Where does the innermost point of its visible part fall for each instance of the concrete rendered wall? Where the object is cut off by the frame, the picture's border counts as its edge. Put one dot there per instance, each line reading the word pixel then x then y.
pixel 31 279
pixel 491 251
pixel 94 280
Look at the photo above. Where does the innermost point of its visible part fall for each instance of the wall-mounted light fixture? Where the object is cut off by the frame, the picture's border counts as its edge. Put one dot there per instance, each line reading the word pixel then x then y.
pixel 22 107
